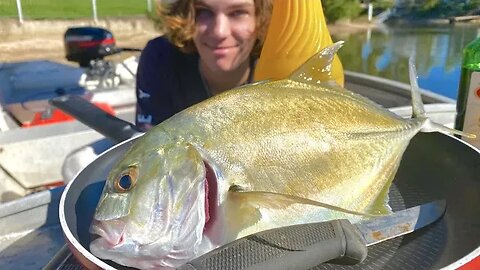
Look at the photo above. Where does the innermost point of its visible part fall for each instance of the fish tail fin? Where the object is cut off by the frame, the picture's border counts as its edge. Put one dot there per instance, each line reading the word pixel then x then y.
pixel 418 109
pixel 430 126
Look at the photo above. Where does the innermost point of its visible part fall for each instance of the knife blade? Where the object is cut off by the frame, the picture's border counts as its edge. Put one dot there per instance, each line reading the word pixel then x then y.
pixel 307 245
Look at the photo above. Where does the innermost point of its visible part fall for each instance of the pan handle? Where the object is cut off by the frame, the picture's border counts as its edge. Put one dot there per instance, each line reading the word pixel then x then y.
pixel 106 124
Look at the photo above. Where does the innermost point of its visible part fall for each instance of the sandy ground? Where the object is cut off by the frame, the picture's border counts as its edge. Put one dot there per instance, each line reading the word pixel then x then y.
pixel 44 39
pixel 37 40
pixel 47 48
pixel 345 28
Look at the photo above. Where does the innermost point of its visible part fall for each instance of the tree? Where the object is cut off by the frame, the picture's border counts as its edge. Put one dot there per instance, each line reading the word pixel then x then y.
pixel 340 9
pixel 473 5
pixel 383 4
pixel 430 4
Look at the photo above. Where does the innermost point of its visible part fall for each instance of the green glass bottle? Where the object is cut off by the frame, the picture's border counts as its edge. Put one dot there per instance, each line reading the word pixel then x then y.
pixel 468 100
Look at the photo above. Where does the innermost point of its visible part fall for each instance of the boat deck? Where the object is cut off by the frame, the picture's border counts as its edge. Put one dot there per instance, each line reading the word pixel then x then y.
pixel 388 93
pixel 32 223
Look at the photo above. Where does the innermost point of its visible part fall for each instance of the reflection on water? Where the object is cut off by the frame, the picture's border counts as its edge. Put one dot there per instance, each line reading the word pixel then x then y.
pixel 384 52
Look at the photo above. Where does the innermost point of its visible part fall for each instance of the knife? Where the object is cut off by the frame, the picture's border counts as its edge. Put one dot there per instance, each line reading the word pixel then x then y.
pixel 307 245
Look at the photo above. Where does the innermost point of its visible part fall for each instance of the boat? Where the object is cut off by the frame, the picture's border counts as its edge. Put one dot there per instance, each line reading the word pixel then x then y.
pixel 396 97
pixel 30 223
pixel 32 130
pixel 31 159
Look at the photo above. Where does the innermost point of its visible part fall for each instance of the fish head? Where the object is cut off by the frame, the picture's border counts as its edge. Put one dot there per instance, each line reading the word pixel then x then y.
pixel 152 210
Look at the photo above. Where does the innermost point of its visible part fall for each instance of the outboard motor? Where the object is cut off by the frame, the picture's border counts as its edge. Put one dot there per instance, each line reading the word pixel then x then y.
pixel 88 46
pixel 84 44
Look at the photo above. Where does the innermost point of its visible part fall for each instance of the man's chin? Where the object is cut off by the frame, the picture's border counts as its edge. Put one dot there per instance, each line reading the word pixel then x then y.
pixel 225 66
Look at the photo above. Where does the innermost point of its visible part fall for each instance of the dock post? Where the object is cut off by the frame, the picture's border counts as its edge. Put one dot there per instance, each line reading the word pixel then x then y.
pixel 19 11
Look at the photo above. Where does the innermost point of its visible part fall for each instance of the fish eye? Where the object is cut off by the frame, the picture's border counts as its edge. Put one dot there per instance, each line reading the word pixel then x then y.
pixel 126 180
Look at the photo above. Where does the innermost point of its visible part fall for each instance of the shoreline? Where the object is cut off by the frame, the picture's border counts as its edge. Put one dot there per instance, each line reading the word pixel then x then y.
pixel 11 27
pixel 43 39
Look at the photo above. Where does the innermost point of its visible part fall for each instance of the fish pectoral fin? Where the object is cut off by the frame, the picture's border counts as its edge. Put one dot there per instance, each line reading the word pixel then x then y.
pixel 318 68
pixel 263 199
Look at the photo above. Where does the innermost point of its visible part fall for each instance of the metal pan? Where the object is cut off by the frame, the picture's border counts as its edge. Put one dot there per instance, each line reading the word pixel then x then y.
pixel 434 166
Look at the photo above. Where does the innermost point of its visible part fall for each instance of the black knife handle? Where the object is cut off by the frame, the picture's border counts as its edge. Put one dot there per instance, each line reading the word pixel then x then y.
pixel 294 247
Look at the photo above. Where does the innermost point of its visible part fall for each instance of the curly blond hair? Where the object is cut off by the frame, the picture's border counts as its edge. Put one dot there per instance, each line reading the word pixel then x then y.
pixel 178 23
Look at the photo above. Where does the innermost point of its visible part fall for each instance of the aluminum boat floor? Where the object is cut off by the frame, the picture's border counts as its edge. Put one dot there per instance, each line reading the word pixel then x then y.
pixel 30 234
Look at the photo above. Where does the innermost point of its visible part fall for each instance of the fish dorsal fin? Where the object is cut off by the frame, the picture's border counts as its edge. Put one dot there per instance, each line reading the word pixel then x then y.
pixel 318 68
pixel 264 199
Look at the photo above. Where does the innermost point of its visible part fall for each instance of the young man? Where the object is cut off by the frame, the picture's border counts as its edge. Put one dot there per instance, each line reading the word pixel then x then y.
pixel 209 46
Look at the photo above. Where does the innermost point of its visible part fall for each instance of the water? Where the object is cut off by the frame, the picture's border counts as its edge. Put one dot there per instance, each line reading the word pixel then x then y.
pixel 384 52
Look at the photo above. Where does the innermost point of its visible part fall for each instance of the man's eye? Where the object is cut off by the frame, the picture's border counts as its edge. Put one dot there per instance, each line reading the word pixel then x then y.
pixel 203 13
pixel 239 13
pixel 243 11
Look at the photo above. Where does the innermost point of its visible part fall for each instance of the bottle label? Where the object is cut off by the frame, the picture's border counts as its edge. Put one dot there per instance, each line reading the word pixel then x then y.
pixel 471 123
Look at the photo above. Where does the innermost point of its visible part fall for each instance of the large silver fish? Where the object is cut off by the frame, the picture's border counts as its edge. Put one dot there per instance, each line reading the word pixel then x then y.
pixel 257 157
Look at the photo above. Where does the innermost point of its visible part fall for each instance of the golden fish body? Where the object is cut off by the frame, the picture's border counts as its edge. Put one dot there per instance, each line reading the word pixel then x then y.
pixel 253 158
pixel 288 137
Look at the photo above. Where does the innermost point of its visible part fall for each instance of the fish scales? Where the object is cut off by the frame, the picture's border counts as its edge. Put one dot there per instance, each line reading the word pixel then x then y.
pixel 253 158
pixel 306 129
pixel 283 157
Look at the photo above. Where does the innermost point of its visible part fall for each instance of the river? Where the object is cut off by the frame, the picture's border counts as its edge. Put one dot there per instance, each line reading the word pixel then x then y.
pixel 384 52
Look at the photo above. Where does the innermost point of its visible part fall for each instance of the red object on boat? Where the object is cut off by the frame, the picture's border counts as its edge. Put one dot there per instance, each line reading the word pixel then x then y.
pixel 54 184
pixel 94 43
pixel 471 265
pixel 57 116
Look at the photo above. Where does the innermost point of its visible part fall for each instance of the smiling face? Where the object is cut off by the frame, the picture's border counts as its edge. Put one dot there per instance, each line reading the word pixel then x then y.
pixel 224 33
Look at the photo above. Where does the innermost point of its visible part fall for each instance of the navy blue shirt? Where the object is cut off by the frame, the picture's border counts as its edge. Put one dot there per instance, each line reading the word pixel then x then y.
pixel 168 81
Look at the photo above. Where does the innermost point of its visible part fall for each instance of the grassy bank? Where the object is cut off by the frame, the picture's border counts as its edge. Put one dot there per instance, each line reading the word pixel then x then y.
pixel 61 9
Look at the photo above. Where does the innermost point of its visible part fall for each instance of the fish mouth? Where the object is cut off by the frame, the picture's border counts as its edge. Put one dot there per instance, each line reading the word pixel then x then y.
pixel 211 191
pixel 113 232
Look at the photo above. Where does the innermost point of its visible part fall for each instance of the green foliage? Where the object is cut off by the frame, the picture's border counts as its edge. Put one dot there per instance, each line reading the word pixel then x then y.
pixel 473 5
pixel 445 9
pixel 383 4
pixel 429 4
pixel 66 9
pixel 341 9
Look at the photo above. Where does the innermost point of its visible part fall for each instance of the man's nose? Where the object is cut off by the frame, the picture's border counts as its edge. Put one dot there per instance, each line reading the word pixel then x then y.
pixel 221 27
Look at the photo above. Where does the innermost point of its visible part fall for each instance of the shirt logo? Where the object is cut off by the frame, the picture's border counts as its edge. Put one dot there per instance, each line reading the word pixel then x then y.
pixel 144 119
pixel 142 94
